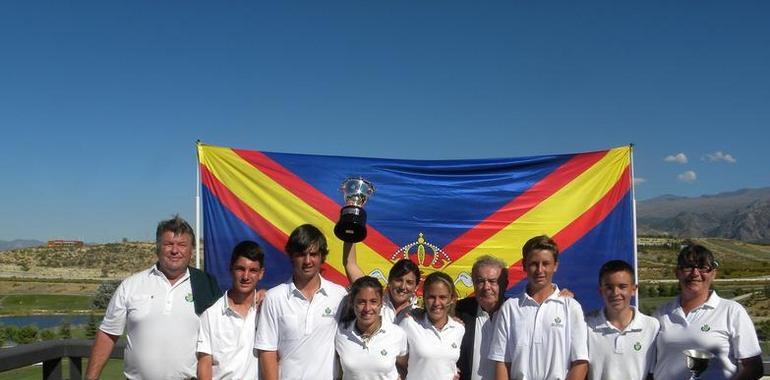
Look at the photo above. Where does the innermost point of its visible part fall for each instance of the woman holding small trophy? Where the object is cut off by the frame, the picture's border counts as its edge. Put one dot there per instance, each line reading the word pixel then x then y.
pixel 700 322
pixel 403 277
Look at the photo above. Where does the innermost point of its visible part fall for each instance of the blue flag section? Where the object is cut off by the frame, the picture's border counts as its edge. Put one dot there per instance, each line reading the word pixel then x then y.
pixel 440 214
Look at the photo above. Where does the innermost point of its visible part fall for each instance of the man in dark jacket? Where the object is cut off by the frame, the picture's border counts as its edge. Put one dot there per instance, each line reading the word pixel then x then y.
pixel 490 280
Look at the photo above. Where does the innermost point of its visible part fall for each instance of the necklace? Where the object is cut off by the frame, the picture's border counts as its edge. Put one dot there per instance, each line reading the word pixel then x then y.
pixel 367 335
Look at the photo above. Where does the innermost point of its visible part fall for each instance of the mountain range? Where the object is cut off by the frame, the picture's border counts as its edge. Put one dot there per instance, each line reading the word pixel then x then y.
pixel 740 215
pixel 19 243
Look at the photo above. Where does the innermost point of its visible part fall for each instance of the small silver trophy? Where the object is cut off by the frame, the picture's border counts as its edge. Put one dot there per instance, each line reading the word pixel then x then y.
pixel 697 362
pixel 352 224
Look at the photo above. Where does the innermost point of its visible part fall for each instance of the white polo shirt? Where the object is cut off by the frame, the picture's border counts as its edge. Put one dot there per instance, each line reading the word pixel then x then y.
pixel 539 340
pixel 483 368
pixel 160 324
pixel 373 360
pixel 388 311
pixel 228 338
pixel 301 332
pixel 616 354
pixel 719 326
pixel 433 353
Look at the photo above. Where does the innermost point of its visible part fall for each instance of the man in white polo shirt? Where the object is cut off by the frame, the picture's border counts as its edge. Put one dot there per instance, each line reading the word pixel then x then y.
pixel 226 335
pixel 298 320
pixel 490 280
pixel 621 340
pixel 158 309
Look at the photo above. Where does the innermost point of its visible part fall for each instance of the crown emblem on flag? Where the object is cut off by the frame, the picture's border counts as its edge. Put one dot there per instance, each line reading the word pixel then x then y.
pixel 423 253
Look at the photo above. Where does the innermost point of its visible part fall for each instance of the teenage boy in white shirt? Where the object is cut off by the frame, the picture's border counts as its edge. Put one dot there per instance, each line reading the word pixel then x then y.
pixel 540 334
pixel 621 340
pixel 298 319
pixel 227 330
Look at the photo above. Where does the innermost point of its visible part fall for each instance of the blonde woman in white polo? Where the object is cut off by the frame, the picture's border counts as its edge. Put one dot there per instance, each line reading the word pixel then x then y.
pixel 435 338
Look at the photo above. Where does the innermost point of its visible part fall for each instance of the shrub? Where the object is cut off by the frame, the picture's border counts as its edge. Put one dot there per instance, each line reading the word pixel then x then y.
pixel 4 335
pixel 24 335
pixel 65 330
pixel 104 294
pixel 92 326
pixel 47 335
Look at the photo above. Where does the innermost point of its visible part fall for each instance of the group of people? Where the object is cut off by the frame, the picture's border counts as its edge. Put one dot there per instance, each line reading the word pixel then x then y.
pixel 178 327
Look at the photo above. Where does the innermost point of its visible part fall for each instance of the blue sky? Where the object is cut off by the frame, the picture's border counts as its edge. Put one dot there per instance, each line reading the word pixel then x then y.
pixel 101 102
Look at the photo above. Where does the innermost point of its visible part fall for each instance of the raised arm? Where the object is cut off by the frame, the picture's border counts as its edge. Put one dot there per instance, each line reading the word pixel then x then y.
pixel 350 261
pixel 100 353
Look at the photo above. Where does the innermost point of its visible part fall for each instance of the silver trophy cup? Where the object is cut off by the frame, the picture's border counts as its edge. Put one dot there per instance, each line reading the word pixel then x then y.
pixel 697 362
pixel 351 226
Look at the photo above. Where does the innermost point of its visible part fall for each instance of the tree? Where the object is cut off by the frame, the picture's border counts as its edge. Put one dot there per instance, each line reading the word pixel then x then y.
pixel 4 335
pixel 91 326
pixel 104 294
pixel 669 290
pixel 65 330
pixel 47 335
pixel 25 335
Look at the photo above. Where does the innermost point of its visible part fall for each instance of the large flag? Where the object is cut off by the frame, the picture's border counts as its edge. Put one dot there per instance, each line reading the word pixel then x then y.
pixel 441 214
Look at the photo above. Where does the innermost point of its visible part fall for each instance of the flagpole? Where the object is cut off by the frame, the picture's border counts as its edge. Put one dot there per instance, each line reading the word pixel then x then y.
pixel 633 221
pixel 197 205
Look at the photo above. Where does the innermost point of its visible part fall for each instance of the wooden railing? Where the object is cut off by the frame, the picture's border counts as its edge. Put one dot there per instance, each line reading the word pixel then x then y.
pixel 51 353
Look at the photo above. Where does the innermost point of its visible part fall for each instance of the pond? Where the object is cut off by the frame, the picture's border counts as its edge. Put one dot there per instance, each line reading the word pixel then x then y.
pixel 46 321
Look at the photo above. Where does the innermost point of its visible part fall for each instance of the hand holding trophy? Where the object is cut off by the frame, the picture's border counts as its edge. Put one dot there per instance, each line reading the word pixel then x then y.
pixel 697 362
pixel 352 224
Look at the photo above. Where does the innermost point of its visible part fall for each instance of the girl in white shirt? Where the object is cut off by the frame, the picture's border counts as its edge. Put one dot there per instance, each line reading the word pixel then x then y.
pixel 368 346
pixel 403 278
pixel 434 339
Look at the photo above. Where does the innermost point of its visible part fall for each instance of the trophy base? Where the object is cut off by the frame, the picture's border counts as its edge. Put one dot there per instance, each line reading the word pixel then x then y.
pixel 351 227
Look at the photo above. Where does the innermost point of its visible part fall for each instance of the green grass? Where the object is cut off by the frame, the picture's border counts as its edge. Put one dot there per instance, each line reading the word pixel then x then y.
pixel 25 303
pixel 738 250
pixel 113 370
pixel 649 304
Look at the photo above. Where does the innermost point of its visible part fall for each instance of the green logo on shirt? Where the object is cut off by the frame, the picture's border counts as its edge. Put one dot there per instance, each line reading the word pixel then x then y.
pixel 705 328
pixel 384 353
pixel 454 345
pixel 188 297
pixel 637 346
pixel 556 322
pixel 327 312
